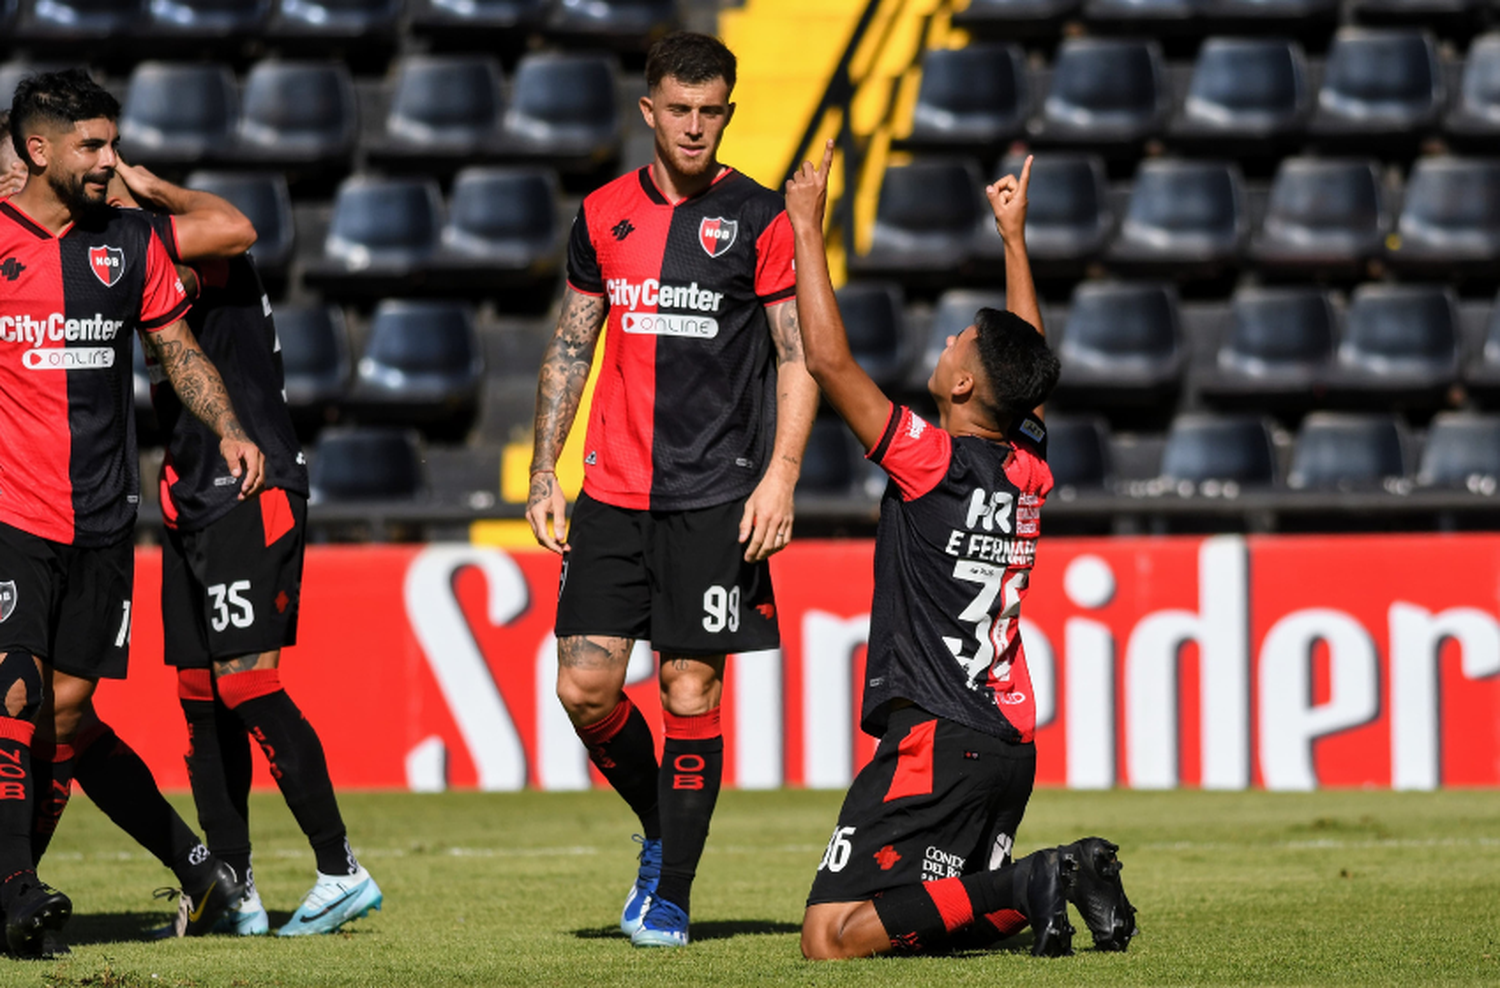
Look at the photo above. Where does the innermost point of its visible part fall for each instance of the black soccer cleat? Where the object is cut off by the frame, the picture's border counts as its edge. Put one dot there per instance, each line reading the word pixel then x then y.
pixel 1100 896
pixel 36 912
pixel 199 909
pixel 1053 874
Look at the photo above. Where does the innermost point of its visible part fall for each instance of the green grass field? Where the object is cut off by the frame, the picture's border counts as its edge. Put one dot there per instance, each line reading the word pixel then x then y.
pixel 524 889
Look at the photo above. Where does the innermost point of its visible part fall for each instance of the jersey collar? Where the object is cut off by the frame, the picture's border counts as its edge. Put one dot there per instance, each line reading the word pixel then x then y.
pixel 30 225
pixel 655 194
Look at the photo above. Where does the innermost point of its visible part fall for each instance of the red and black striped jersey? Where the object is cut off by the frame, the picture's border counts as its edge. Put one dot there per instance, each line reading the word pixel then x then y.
pixel 953 556
pixel 684 409
pixel 68 308
pixel 233 322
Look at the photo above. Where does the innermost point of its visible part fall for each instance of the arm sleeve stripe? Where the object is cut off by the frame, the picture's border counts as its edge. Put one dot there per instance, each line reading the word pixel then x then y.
pixel 160 322
pixel 584 291
pixel 780 296
pixel 891 424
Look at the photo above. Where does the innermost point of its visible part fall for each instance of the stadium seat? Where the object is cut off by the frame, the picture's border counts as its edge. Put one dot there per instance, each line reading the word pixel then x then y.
pixel 469 15
pixel 1297 13
pixel 1450 215
pixel 1251 89
pixel 876 324
pixel 630 23
pixel 68 19
pixel 1345 452
pixel 1379 83
pixel 365 464
pixel 975 97
pixel 1078 453
pixel 833 461
pixel 1068 217
pixel 954 313
pixel 298 113
pixel 264 199
pixel 421 364
pixel 1412 10
pixel 1276 348
pixel 8 11
pixel 1400 341
pixel 563 107
pixel 502 222
pixel 1203 448
pixel 1105 91
pixel 1482 375
pixel 208 17
pixel 925 220
pixel 1182 212
pixel 338 18
pixel 390 225
pixel 1322 213
pixel 1462 451
pixel 314 358
pixel 1121 341
pixel 1476 105
pixel 1155 15
pixel 1013 16
pixel 449 104
pixel 175 114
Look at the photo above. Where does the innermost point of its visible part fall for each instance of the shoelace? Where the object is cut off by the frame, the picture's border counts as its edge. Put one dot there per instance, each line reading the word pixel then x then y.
pixel 184 907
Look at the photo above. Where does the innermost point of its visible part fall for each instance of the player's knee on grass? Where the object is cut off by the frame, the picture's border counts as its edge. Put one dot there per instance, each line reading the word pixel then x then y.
pixel 21 685
pixel 827 936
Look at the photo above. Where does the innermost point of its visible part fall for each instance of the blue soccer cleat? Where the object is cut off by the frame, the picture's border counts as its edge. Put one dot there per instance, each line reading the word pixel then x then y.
pixel 639 899
pixel 664 925
pixel 334 901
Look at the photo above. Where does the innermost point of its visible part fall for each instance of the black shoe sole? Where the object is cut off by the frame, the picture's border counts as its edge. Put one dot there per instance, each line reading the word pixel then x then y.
pixel 27 935
pixel 1052 880
pixel 1100 896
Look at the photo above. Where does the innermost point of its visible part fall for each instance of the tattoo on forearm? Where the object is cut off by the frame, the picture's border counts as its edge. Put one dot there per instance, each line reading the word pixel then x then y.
pixel 786 332
pixel 565 369
pixel 198 385
pixel 578 652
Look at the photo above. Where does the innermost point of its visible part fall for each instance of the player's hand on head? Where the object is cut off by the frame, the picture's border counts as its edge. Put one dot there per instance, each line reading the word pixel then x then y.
pixel 807 192
pixel 546 511
pixel 246 462
pixel 12 180
pixel 766 525
pixel 1008 200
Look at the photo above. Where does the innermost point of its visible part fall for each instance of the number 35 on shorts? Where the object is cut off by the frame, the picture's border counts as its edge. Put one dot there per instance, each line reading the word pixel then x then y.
pixel 228 605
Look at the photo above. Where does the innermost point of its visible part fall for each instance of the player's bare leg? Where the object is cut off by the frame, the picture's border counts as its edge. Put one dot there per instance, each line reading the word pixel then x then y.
pixel 122 786
pixel 590 684
pixel 691 772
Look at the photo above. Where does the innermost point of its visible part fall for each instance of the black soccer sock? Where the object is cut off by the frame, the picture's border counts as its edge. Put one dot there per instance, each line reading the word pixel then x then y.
pixel 123 788
pixel 298 765
pixel 920 917
pixel 218 764
pixel 15 805
pixel 621 747
pixel 52 775
pixel 692 766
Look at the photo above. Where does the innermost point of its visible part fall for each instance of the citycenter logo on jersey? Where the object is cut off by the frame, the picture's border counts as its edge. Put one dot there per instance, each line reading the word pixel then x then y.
pixel 57 329
pixel 652 293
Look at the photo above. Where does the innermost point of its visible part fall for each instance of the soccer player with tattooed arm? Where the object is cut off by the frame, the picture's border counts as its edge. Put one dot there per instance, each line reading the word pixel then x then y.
pixel 920 859
pixel 694 445
pixel 77 279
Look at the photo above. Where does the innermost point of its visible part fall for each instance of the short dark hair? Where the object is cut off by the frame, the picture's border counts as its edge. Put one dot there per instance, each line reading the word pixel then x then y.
pixel 691 58
pixel 1020 368
pixel 63 98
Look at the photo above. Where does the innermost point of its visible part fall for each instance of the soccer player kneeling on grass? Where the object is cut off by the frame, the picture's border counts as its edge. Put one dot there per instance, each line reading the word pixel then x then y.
pixel 921 856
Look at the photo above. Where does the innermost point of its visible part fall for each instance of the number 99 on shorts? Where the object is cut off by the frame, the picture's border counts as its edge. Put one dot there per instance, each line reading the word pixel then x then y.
pixel 721 609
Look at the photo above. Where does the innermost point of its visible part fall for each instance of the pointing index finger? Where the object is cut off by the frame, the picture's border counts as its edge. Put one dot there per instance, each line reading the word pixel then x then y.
pixel 1025 179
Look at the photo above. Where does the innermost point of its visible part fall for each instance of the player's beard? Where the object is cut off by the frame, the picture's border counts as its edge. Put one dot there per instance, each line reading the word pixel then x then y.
pixel 689 167
pixel 73 192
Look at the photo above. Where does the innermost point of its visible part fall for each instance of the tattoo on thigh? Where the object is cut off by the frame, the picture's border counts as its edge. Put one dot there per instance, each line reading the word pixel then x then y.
pixel 243 663
pixel 581 652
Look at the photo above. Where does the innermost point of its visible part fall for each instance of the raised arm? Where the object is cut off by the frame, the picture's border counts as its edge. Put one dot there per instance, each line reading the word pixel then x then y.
pixel 201 391
pixel 1008 199
pixel 207 225
pixel 825 343
pixel 565 370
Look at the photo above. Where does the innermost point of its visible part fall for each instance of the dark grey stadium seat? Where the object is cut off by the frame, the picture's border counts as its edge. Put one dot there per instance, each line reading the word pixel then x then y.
pixel 446 103
pixel 1379 82
pixel 925 219
pixel 1121 340
pixel 1451 213
pixel 422 363
pixel 476 14
pixel 1247 88
pixel 1341 451
pixel 1462 451
pixel 1105 91
pixel 1323 212
pixel 1399 340
pixel 338 18
pixel 208 17
pixel 384 224
pixel 1078 452
pixel 178 113
pixel 977 96
pixel 1476 105
pixel 1183 212
pixel 1278 345
pixel 876 324
pixel 64 19
pixel 8 11
pixel 623 21
pixel 832 464
pixel 314 357
pixel 563 106
pixel 298 113
pixel 365 464
pixel 1013 15
pixel 1416 11
pixel 954 313
pixel 1157 14
pixel 1202 447
pixel 502 220
pixel 1295 12
pixel 265 201
pixel 1482 375
pixel 1068 217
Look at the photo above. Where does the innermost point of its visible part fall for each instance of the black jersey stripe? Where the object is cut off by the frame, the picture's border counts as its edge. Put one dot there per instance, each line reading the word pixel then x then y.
pixel 178 311
pixel 892 424
pixel 25 221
